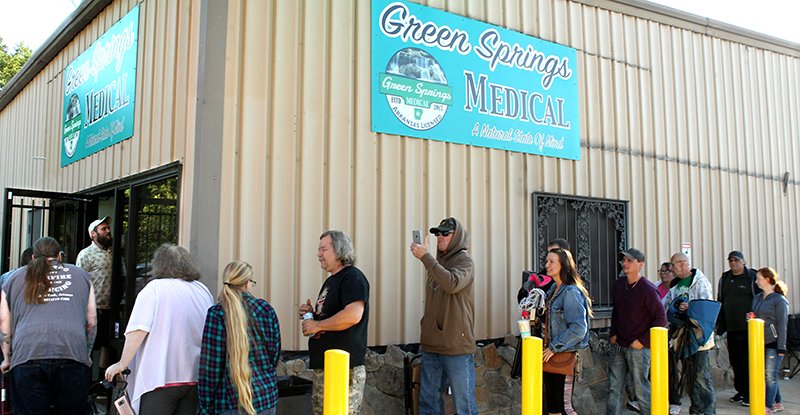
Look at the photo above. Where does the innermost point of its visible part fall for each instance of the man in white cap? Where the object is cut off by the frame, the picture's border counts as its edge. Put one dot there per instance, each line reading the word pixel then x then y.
pixel 96 260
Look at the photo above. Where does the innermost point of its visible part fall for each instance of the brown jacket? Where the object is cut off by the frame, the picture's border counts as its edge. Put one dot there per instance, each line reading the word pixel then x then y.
pixel 449 319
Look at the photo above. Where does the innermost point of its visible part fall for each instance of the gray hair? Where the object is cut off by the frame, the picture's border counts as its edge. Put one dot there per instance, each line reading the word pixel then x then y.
pixel 342 247
pixel 681 256
pixel 173 261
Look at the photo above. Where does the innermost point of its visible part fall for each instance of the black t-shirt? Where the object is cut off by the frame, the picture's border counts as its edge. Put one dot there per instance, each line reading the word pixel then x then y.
pixel 339 290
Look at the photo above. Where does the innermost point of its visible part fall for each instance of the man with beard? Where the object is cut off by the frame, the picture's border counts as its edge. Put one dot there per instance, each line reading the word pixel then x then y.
pixel 96 260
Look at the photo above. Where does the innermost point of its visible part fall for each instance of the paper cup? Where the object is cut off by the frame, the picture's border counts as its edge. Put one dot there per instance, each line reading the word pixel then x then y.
pixel 524 328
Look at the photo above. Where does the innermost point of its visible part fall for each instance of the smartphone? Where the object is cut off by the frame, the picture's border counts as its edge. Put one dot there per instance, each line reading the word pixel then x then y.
pixel 416 236
pixel 124 406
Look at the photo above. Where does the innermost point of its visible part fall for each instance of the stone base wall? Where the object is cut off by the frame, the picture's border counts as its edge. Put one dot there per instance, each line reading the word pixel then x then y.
pixel 495 391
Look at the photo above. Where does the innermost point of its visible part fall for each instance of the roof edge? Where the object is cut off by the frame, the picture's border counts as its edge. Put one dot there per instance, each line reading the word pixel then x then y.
pixel 65 33
pixel 689 21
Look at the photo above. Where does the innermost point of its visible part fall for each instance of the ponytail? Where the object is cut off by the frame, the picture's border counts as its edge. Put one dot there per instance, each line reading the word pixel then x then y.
pixel 772 278
pixel 236 276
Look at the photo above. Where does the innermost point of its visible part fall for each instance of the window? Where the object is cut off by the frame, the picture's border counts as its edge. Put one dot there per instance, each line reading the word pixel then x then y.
pixel 596 229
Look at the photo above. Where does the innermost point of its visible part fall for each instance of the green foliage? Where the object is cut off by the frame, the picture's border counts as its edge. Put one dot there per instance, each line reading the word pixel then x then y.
pixel 11 62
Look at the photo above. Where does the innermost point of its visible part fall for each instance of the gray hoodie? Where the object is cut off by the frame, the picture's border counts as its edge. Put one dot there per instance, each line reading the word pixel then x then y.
pixel 774 310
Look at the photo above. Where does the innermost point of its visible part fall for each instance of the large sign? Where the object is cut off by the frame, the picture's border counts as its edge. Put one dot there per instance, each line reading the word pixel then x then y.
pixel 444 77
pixel 99 90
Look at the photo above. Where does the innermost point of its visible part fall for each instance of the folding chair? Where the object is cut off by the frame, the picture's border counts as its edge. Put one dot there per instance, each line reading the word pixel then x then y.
pixel 792 360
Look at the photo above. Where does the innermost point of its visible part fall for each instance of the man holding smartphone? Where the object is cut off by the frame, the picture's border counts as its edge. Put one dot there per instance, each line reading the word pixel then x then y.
pixel 447 337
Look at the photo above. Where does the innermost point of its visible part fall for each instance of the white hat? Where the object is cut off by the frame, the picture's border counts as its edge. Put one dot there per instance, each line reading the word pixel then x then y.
pixel 97 223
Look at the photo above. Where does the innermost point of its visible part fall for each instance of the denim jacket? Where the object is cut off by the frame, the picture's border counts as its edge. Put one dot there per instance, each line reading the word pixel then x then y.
pixel 568 319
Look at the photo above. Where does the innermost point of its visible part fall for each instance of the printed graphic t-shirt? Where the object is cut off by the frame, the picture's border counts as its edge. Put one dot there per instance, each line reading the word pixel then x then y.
pixel 57 328
pixel 339 290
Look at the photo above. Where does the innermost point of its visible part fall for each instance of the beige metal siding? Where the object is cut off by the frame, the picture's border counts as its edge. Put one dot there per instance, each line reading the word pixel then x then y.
pixel 30 126
pixel 693 130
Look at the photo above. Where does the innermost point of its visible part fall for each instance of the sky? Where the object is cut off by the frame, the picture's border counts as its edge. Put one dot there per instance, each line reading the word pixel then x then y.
pixel 33 21
pixel 777 18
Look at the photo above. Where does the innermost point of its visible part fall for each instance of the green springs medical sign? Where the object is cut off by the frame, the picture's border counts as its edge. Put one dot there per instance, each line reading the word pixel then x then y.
pixel 444 77
pixel 99 91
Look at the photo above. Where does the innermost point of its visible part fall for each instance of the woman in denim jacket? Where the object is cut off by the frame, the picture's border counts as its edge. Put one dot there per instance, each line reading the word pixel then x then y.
pixel 568 311
pixel 771 306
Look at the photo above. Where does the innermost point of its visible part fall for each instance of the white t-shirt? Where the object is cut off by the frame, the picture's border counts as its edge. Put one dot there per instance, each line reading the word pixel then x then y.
pixel 173 312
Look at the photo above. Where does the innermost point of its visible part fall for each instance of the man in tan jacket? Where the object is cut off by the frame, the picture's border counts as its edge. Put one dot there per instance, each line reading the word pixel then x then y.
pixel 447 337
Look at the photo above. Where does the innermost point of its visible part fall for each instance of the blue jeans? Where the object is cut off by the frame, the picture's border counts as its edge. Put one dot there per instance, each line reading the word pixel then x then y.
pixel 621 362
pixel 772 364
pixel 701 390
pixel 435 372
pixel 62 383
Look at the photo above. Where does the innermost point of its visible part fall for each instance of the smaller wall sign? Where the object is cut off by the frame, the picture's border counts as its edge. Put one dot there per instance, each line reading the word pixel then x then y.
pixel 99 92
pixel 686 248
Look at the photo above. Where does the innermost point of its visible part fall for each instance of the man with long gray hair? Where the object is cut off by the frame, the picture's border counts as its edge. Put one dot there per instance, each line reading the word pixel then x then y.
pixel 339 318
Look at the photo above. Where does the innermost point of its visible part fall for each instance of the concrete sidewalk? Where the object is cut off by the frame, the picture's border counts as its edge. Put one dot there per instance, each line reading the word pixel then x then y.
pixel 790 392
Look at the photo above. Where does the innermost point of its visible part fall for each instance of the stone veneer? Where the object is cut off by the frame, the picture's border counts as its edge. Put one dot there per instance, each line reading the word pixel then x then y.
pixel 496 392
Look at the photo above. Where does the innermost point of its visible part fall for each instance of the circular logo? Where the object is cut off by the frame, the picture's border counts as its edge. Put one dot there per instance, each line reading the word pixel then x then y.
pixel 73 120
pixel 416 88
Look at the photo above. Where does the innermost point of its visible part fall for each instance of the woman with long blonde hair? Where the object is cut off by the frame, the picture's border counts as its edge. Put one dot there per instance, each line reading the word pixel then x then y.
pixel 240 349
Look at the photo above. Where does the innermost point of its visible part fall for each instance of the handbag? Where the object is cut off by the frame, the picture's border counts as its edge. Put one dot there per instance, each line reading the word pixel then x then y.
pixel 561 363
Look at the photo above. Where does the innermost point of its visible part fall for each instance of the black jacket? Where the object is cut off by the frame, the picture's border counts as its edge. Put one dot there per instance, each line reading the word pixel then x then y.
pixel 722 325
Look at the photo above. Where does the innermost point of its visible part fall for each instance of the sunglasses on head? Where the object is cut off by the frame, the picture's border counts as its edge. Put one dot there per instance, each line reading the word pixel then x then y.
pixel 442 233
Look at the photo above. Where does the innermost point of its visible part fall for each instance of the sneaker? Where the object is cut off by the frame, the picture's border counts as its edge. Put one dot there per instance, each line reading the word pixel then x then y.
pixel 744 402
pixel 633 406
pixel 778 407
pixel 736 398
pixel 768 411
pixel 674 409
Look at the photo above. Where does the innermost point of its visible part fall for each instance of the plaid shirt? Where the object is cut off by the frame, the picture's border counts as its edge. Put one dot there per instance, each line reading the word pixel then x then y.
pixel 216 392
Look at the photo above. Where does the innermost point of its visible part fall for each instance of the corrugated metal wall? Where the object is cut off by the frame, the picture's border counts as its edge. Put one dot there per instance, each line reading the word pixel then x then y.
pixel 694 130
pixel 166 85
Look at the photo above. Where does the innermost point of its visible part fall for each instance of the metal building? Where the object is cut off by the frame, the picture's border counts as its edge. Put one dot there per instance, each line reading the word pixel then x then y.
pixel 252 134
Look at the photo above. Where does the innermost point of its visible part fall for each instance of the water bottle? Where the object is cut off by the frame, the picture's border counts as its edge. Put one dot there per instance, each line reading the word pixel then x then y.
pixel 308 316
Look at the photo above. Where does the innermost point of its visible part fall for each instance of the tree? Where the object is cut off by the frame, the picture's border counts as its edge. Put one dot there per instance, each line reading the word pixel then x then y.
pixel 11 63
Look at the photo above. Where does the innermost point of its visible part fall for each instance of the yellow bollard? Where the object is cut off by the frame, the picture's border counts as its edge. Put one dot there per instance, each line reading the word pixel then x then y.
pixel 755 349
pixel 336 398
pixel 659 371
pixel 531 376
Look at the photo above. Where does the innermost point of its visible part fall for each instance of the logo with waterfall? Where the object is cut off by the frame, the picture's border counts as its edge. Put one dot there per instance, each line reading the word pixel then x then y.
pixel 73 122
pixel 416 89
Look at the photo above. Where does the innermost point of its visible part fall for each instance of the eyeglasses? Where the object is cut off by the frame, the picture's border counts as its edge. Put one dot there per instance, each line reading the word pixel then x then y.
pixel 445 233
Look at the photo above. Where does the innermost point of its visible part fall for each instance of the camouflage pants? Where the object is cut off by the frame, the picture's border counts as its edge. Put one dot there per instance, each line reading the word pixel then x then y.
pixel 358 377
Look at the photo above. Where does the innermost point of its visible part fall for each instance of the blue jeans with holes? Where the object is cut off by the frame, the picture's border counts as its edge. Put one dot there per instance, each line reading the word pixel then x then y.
pixel 772 365
pixel 40 383
pixel 437 371
pixel 621 362
pixel 701 390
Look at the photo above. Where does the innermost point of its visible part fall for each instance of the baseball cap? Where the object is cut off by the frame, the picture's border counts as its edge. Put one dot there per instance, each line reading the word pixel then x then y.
pixel 736 254
pixel 446 225
pixel 97 223
pixel 633 253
